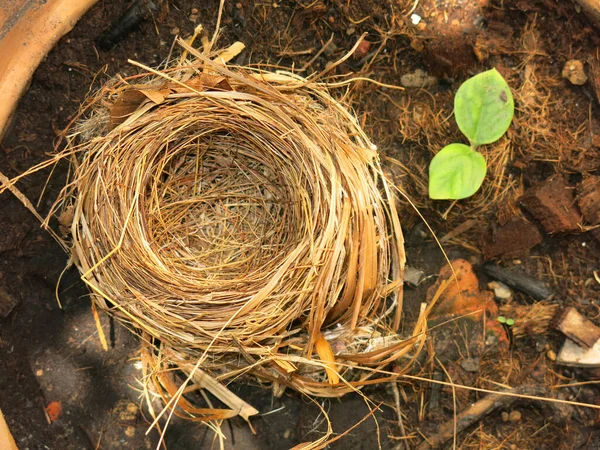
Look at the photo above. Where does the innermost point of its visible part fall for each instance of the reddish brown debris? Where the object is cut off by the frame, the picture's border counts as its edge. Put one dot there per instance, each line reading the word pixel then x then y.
pixel 514 238
pixel 362 50
pixel 552 203
pixel 588 200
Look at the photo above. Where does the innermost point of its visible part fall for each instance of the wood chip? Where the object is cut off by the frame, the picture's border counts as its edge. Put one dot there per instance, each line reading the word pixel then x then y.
pixel 578 328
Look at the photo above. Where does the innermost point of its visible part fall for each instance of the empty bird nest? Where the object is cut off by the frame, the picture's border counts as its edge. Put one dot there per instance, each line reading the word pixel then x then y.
pixel 239 221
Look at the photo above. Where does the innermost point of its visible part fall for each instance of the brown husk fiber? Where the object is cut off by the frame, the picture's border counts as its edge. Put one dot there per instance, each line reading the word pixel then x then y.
pixel 239 221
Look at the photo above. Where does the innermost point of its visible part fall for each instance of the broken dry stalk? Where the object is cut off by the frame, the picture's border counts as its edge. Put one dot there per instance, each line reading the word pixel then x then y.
pixel 475 413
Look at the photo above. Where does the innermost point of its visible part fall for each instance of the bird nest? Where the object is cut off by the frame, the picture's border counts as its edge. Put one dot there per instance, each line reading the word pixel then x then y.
pixel 239 220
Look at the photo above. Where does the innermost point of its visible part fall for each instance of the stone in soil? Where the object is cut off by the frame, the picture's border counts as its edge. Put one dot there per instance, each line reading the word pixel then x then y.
pixel 514 416
pixel 512 239
pixel 574 72
pixel 552 203
pixel 417 79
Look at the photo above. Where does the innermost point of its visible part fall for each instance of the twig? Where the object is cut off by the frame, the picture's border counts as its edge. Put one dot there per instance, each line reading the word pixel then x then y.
pixel 314 58
pixel 404 443
pixel 535 288
pixel 477 412
pixel 126 23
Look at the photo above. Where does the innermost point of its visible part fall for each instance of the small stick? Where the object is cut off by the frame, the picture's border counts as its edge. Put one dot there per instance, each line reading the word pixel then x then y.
pixel 126 23
pixel 101 334
pixel 313 59
pixel 399 412
pixel 535 288
pixel 477 412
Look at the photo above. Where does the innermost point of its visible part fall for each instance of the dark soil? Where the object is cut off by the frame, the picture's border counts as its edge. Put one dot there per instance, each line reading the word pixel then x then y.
pixel 49 353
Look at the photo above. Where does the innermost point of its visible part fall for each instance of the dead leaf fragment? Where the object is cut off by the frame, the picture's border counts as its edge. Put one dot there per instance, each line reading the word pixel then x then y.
pixel 326 354
pixel 54 411
pixel 130 100
pixel 462 295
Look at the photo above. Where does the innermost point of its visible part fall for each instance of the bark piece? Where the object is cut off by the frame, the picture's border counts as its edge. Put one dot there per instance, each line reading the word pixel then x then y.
pixel 517 280
pixel 515 238
pixel 575 355
pixel 553 204
pixel 588 200
pixel 578 328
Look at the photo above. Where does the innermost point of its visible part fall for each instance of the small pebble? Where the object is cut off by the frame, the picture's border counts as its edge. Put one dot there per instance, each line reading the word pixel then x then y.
pixel 194 11
pixel 540 344
pixel 505 416
pixel 39 372
pixel 175 31
pixel 470 364
pixel 350 31
pixel 573 71
pixel 362 50
pixel 417 79
pixel 514 416
pixel 501 291
pixel 238 5
pixel 331 19
pixel 474 260
pixel 330 49
pixel 417 44
pixel 551 354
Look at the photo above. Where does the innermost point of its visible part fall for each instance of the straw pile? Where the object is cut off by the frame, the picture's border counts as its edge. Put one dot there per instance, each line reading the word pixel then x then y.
pixel 239 221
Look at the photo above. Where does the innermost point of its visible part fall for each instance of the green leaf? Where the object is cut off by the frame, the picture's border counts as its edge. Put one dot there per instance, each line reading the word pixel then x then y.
pixel 501 319
pixel 510 322
pixel 484 107
pixel 456 172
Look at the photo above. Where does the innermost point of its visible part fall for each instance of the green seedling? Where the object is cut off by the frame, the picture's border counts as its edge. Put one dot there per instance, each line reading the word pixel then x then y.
pixel 503 320
pixel 483 109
